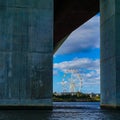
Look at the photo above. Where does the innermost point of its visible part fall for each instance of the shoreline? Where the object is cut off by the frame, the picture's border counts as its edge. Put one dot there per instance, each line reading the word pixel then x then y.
pixel 76 101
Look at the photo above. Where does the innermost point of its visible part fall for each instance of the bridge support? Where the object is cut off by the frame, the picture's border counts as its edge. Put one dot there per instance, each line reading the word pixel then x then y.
pixel 110 53
pixel 26 48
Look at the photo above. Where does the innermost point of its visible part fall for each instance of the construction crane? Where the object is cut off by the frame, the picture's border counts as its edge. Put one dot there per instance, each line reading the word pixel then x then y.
pixel 64 83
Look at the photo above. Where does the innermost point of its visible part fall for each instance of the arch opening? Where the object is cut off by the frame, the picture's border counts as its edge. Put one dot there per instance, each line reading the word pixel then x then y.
pixel 77 63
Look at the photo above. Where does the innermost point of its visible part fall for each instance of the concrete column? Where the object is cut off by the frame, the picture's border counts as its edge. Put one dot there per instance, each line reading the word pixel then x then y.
pixel 26 47
pixel 110 53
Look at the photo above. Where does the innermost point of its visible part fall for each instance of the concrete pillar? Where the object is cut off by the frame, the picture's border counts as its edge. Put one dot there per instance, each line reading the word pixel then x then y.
pixel 110 53
pixel 26 35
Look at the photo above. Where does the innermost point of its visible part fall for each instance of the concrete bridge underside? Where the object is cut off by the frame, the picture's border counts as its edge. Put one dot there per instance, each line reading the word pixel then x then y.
pixel 69 15
pixel 30 30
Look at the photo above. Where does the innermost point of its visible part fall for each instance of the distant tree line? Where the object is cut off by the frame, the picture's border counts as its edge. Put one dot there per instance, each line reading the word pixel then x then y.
pixel 75 97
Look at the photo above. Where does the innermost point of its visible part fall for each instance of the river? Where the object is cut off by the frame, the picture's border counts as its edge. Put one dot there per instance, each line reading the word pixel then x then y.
pixel 63 111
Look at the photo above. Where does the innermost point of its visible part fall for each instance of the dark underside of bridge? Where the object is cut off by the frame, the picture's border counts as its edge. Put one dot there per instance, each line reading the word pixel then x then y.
pixel 69 15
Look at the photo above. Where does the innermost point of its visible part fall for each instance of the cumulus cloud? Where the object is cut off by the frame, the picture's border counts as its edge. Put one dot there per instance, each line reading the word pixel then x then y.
pixel 80 63
pixel 84 38
pixel 55 72
pixel 88 68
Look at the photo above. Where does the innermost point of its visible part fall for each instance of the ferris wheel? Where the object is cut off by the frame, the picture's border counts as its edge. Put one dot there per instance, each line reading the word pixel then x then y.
pixel 73 80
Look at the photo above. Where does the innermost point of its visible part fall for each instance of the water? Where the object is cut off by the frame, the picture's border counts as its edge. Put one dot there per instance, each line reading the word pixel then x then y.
pixel 63 111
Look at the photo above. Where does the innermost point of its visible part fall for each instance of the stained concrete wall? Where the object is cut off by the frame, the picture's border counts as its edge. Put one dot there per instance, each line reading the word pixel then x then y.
pixel 26 35
pixel 110 53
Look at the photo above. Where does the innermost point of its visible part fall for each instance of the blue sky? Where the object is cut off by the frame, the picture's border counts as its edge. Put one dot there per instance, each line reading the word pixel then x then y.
pixel 81 54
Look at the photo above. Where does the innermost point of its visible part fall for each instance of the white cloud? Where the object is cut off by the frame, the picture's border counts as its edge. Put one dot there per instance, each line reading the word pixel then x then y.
pixel 84 38
pixel 80 63
pixel 88 68
pixel 55 72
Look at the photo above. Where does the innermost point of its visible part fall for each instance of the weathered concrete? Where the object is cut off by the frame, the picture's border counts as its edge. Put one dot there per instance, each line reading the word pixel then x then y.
pixel 26 47
pixel 26 35
pixel 110 53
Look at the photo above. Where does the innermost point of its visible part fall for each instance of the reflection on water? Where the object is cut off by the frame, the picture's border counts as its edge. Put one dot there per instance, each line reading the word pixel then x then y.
pixel 25 115
pixel 63 111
